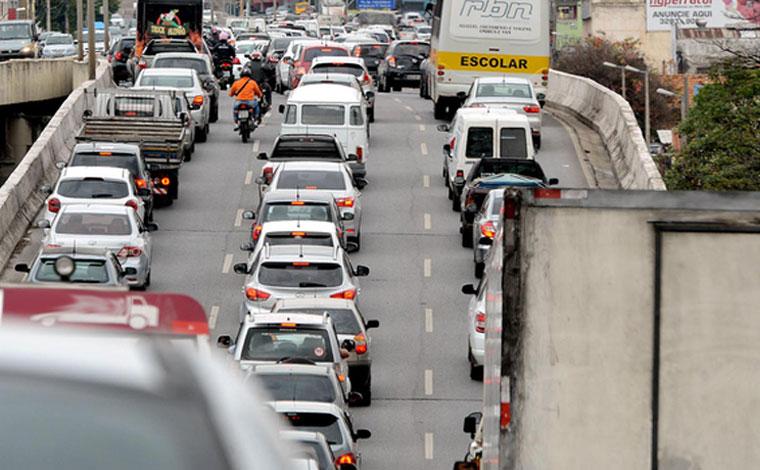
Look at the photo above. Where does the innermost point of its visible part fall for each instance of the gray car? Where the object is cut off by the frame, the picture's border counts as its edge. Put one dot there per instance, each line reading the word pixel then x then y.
pixel 19 39
pixel 114 228
pixel 301 382
pixel 58 45
pixel 202 65
pixel 312 444
pixel 91 266
pixel 484 227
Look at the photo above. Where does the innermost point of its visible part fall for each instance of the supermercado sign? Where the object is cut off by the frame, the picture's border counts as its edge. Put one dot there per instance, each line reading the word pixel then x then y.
pixel 496 19
pixel 492 62
pixel 661 14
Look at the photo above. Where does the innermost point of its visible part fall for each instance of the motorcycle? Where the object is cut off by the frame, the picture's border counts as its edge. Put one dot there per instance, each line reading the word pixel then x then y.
pixel 225 74
pixel 246 124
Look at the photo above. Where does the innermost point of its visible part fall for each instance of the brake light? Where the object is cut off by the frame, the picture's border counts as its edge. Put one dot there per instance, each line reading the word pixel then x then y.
pixel 361 343
pixel 129 252
pixel 532 109
pixel 131 203
pixel 297 203
pixel 349 294
pixel 165 181
pixel 118 55
pixel 366 78
pixel 288 325
pixel 359 153
pixel 488 230
pixel 141 183
pixel 236 61
pixel 54 205
pixel 460 174
pixel 297 235
pixel 256 294
pixel 267 173
pixel 453 143
pixel 392 61
pixel 480 322
pixel 345 201
pixel 348 458
pixel 142 65
pixel 198 100
pixel 256 232
pixel 545 74
pixel 300 263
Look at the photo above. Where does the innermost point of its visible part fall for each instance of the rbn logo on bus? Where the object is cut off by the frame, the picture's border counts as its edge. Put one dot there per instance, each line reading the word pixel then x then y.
pixel 497 9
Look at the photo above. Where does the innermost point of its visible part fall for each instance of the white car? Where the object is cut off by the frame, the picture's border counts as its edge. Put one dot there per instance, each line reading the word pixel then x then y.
pixel 114 228
pixel 184 80
pixel 59 45
pixel 88 185
pixel 423 31
pixel 476 328
pixel 296 232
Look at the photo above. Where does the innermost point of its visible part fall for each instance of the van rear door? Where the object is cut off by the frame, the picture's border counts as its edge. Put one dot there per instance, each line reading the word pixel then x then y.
pixel 326 119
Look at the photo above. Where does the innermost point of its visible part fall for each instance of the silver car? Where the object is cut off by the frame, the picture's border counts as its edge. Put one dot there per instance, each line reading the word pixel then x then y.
pixel 114 228
pixel 293 271
pixel 296 232
pixel 91 266
pixel 301 382
pixel 476 328
pixel 511 93
pixel 484 227
pixel 350 325
pixel 314 445
pixel 58 45
pixel 332 177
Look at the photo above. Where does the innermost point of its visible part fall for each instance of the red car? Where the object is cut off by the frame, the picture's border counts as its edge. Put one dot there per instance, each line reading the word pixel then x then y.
pixel 302 63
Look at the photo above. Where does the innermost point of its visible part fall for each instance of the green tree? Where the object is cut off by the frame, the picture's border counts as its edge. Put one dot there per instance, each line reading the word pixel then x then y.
pixel 63 13
pixel 722 131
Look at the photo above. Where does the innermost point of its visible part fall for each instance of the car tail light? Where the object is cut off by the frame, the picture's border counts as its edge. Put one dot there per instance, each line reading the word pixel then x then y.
pixel 488 230
pixel 348 458
pixel 391 61
pixel 361 343
pixel 118 55
pixel 236 61
pixel 480 322
pixel 460 174
pixel 453 143
pixel 129 252
pixel 532 109
pixel 359 153
pixel 165 181
pixel 141 183
pixel 349 294
pixel 545 74
pixel 54 205
pixel 142 65
pixel 198 101
pixel 131 203
pixel 366 79
pixel 267 174
pixel 256 232
pixel 256 294
pixel 345 201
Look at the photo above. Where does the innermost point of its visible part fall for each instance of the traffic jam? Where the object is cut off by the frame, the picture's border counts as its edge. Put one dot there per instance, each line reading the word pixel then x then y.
pixel 301 358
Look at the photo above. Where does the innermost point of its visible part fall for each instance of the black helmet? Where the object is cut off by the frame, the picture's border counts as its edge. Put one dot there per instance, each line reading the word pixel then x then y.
pixel 245 73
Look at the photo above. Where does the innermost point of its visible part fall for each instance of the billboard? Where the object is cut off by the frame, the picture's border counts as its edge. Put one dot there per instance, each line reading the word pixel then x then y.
pixel 375 4
pixel 661 14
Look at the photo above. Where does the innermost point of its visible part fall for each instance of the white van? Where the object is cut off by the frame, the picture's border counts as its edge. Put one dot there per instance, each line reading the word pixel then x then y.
pixel 330 109
pixel 477 133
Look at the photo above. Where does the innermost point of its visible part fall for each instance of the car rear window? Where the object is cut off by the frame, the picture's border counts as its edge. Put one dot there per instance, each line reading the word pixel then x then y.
pixel 412 49
pixel 496 205
pixel 94 188
pixel 503 90
pixel 93 224
pixel 159 47
pixel 311 179
pixel 370 50
pixel 272 343
pixel 301 274
pixel 312 52
pixel 181 63
pixel 174 81
pixel 344 319
pixel 479 142
pixel 353 69
pixel 287 211
pixel 323 114
pixel 317 422
pixel 293 387
pixel 300 238
pixel 126 161
pixel 134 107
pixel 280 44
pixel 86 271
pixel 513 143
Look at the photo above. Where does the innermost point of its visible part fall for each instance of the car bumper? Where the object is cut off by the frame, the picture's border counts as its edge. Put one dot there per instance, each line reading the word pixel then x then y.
pixel 478 347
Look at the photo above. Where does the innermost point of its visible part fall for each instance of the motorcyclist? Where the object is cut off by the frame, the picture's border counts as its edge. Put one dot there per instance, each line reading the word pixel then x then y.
pixel 223 51
pixel 246 90
pixel 256 67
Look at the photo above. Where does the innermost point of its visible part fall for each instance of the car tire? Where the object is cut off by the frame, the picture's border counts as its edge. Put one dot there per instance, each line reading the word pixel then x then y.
pixel 366 391
pixel 439 109
pixel 449 192
pixel 370 117
pixel 147 281
pixel 358 240
pixel 200 135
pixel 537 142
pixel 214 115
pixel 455 203
pixel 188 154
pixel 479 268
pixel 476 372
pixel 466 237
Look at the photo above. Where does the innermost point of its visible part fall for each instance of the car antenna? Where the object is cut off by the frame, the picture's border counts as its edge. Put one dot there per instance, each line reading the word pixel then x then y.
pixel 300 250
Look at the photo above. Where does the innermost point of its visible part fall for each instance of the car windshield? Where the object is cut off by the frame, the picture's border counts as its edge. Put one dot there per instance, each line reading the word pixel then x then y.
pixel 412 49
pixel 344 319
pixel 288 211
pixel 311 179
pixel 127 161
pixel 317 422
pixel 323 114
pixel 93 224
pixel 300 274
pixel 128 428
pixel 59 40
pixel 293 387
pixel 513 143
pixel 353 69
pixel 89 271
pixel 158 47
pixel 503 90
pixel 15 31
pixel 173 81
pixel 298 238
pixel 198 65
pixel 275 343
pixel 312 52
pixel 95 188
pixel 371 50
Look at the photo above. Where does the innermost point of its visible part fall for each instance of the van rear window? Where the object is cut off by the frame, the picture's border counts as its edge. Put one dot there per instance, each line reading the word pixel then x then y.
pixel 479 142
pixel 323 114
pixel 513 144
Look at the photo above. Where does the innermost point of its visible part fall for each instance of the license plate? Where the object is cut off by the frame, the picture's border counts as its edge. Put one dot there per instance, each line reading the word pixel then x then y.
pixel 243 114
pixel 413 76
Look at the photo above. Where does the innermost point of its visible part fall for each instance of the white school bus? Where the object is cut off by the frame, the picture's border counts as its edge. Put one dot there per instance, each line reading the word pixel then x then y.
pixel 473 38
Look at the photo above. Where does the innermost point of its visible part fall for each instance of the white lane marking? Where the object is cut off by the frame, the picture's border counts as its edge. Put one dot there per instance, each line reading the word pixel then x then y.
pixel 428 222
pixel 248 177
pixel 239 218
pixel 227 264
pixel 256 144
pixel 422 127
pixel 425 181
pixel 418 117
pixel 428 381
pixel 428 267
pixel 408 108
pixel 428 320
pixel 428 446
pixel 213 316
pixel 423 148
pixel 397 100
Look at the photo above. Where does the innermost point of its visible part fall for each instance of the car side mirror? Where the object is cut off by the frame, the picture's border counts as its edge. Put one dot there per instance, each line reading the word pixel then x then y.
pixel 44 223
pixel 262 156
pixel 447 149
pixel 347 216
pixel 361 271
pixel 372 324
pixel 60 165
pixel 46 189
pixel 281 108
pixel 360 183
pixel 352 247
pixel 184 117
pixel 261 180
pixel 150 226
pixel 471 422
pixel 22 268
pixel 143 192
pixel 443 127
pixel 370 95
pixel 485 241
pixel 224 341
pixel 352 157
pixel 248 246
pixel 130 271
pixel 553 181
pixel 348 344
pixel 241 268
pixel 469 289
pixel 249 215
pixel 462 96
pixel 362 434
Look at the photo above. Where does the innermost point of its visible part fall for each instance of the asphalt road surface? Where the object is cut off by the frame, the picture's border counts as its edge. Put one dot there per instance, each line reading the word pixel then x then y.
pixel 410 241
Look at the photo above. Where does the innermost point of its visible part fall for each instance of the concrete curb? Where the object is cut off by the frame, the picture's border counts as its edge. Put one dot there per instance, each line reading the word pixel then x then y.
pixel 612 117
pixel 20 198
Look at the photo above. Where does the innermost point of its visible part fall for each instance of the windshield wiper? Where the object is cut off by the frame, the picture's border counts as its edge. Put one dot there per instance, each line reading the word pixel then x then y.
pixel 311 284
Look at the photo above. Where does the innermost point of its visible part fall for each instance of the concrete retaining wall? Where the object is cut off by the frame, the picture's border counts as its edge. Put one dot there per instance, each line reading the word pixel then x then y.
pixel 20 198
pixel 26 80
pixel 612 117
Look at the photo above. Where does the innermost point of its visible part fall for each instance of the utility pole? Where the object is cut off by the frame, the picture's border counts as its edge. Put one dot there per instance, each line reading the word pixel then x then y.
pixel 47 11
pixel 91 38
pixel 80 47
pixel 106 24
pixel 212 11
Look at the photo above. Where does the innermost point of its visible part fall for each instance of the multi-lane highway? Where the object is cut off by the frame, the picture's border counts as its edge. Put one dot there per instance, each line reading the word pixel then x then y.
pixel 421 385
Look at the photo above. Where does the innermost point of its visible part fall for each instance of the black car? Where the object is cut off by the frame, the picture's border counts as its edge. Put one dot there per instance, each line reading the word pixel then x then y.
pixel 118 56
pixel 401 65
pixel 372 53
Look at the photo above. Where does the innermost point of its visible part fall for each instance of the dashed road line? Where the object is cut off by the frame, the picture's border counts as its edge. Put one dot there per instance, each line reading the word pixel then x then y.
pixel 423 148
pixel 428 381
pixel 427 267
pixel 428 446
pixel 425 181
pixel 227 264
pixel 422 127
pixel 248 177
pixel 239 218
pixel 212 316
pixel 427 221
pixel 397 100
pixel 418 117
pixel 428 320
pixel 408 108
pixel 256 144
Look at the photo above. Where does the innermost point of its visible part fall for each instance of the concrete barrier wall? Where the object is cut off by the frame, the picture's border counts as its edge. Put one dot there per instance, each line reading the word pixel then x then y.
pixel 20 198
pixel 26 80
pixel 612 117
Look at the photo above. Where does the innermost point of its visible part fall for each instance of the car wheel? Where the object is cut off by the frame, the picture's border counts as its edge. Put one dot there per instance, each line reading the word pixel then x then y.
pixel 479 268
pixel 449 192
pixel 537 142
pixel 466 237
pixel 214 116
pixel 188 154
pixel 358 240
pixel 456 203
pixel 367 392
pixel 200 135
pixel 370 117
pixel 476 372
